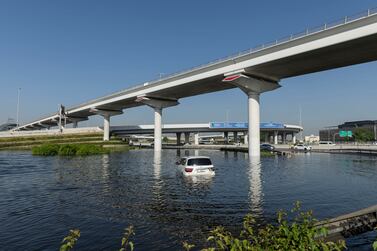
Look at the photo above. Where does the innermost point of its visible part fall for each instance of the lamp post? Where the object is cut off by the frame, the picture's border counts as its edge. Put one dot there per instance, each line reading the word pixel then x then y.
pixel 18 106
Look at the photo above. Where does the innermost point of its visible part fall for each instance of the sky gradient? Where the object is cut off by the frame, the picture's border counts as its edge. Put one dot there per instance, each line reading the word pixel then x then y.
pixel 72 51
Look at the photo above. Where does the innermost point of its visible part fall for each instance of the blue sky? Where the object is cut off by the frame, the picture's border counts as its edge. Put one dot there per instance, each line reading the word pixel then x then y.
pixel 75 50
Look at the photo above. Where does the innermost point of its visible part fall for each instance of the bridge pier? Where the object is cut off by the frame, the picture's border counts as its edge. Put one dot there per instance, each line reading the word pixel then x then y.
pixel 106 114
pixel 253 87
pixel 157 103
pixel 196 138
pixel 294 138
pixel 275 137
pixel 187 138
pixel 235 137
pixel 226 138
pixel 178 138
pixel 245 138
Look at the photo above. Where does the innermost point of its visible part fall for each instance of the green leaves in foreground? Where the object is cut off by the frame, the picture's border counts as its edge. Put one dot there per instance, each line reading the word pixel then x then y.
pixel 69 242
pixel 300 234
pixel 128 233
pixel 68 150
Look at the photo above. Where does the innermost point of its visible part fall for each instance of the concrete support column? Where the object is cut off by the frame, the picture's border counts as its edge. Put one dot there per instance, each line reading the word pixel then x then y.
pixel 187 138
pixel 275 137
pixel 157 103
pixel 266 138
pixel 75 124
pixel 178 138
pixel 106 127
pixel 235 137
pixel 284 138
pixel 254 124
pixel 196 138
pixel 246 138
pixel 157 129
pixel 226 138
pixel 294 138
pixel 105 113
pixel 253 87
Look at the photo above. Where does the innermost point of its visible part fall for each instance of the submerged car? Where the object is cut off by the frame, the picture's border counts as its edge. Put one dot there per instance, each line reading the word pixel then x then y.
pixel 267 147
pixel 301 147
pixel 196 165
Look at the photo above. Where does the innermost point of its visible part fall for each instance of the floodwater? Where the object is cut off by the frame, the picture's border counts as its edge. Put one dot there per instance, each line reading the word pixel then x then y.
pixel 41 198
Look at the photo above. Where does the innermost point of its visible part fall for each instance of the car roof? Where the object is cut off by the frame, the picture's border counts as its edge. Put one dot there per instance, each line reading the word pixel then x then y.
pixel 197 157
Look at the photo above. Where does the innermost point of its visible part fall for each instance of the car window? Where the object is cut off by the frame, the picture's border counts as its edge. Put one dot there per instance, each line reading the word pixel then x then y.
pixel 199 162
pixel 182 161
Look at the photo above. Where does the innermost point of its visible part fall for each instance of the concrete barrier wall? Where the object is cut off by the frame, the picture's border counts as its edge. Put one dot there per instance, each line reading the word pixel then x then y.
pixel 50 132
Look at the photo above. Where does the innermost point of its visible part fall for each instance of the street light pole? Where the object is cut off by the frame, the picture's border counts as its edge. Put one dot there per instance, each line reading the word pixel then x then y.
pixel 18 106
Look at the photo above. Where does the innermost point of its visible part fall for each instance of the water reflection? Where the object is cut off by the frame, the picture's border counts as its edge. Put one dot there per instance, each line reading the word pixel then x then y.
pixel 255 193
pixel 105 166
pixel 157 171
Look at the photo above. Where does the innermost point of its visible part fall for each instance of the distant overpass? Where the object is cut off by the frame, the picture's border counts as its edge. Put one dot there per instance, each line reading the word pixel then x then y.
pixel 351 40
pixel 271 130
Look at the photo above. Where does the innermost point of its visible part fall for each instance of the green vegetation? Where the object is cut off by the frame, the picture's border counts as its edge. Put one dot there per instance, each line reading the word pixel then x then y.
pixel 363 135
pixel 128 232
pixel 27 143
pixel 302 233
pixel 264 153
pixel 69 242
pixel 46 150
pixel 165 139
pixel 68 150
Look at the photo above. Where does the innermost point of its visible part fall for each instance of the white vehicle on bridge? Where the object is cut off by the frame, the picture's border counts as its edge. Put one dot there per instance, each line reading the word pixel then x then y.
pixel 302 147
pixel 196 165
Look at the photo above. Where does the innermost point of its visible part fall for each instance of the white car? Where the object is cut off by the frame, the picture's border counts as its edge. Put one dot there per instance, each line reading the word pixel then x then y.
pixel 196 165
pixel 302 147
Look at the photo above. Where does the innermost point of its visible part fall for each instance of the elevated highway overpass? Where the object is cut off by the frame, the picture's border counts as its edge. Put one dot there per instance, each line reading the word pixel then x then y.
pixel 352 40
pixel 270 130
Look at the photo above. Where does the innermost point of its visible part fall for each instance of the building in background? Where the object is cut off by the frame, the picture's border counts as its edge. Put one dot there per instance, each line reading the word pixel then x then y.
pixel 331 133
pixel 311 139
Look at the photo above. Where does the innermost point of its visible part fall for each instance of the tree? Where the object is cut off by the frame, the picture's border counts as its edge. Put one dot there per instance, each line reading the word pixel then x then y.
pixel 165 139
pixel 363 135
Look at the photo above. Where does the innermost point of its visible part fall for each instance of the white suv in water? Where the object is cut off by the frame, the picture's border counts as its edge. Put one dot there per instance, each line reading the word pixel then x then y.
pixel 196 165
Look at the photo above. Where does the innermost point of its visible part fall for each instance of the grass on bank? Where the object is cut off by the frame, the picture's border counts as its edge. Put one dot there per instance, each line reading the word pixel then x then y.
pixel 69 149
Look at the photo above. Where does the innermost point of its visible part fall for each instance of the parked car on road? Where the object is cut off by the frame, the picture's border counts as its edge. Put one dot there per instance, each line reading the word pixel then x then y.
pixel 196 165
pixel 301 147
pixel 267 147
pixel 329 143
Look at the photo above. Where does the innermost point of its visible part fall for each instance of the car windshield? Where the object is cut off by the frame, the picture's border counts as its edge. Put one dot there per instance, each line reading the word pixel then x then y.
pixel 199 162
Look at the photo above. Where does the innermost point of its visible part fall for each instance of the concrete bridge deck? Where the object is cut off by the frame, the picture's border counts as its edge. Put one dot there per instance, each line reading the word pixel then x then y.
pixel 352 40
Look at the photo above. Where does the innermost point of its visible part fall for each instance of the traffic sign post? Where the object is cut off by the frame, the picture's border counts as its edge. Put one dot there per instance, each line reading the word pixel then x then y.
pixel 344 134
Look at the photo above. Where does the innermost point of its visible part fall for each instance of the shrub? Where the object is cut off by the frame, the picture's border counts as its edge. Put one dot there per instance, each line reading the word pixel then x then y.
pixel 68 150
pixel 69 242
pixel 90 149
pixel 46 150
pixel 301 234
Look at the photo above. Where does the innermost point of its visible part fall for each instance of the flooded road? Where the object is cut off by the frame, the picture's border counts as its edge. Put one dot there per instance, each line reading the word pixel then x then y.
pixel 41 198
